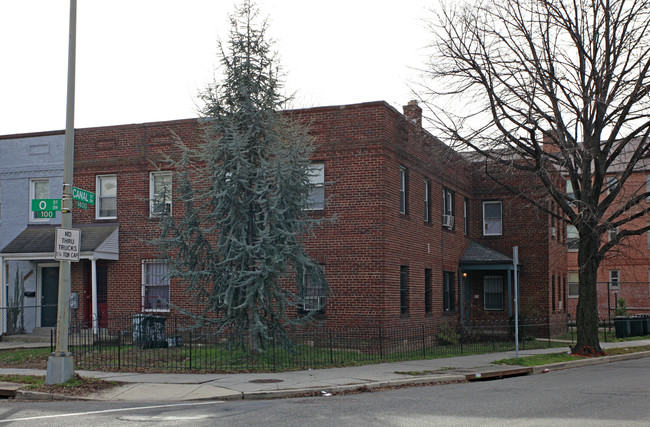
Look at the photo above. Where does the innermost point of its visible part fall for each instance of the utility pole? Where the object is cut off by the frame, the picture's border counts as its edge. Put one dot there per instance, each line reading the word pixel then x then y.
pixel 60 366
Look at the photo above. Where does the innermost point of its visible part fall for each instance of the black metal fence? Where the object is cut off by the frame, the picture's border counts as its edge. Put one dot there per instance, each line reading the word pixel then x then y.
pixel 165 344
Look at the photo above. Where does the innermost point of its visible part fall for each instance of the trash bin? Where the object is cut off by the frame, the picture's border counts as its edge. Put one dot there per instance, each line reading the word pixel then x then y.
pixel 636 326
pixel 645 323
pixel 622 326
pixel 149 331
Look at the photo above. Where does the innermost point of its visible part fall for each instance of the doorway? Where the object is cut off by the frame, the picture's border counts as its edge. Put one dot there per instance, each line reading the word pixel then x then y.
pixel 49 296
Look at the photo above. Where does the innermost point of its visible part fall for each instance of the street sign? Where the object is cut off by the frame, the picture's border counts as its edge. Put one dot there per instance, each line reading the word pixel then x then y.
pixel 46 205
pixel 45 214
pixel 67 244
pixel 82 205
pixel 83 196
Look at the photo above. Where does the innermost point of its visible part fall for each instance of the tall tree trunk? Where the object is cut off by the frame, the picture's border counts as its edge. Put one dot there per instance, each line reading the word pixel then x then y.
pixel 587 310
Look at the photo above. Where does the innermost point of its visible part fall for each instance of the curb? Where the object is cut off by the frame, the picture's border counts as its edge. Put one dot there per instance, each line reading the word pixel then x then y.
pixel 588 362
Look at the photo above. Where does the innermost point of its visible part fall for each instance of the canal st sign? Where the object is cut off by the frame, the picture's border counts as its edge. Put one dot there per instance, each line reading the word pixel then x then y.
pixel 83 197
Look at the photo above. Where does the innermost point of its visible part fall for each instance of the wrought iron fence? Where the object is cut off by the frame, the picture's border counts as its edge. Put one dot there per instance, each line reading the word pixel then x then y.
pixel 167 344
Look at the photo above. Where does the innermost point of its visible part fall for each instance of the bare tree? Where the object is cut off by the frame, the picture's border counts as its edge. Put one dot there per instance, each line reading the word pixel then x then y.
pixel 561 86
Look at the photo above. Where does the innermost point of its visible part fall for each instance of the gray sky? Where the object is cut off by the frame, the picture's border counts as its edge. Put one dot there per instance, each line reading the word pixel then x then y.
pixel 146 60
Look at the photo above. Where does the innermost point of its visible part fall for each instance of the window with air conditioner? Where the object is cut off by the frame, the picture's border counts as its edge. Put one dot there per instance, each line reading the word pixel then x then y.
pixel 448 208
pixel 312 292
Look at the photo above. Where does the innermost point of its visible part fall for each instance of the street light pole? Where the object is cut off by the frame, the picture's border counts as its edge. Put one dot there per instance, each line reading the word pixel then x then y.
pixel 60 366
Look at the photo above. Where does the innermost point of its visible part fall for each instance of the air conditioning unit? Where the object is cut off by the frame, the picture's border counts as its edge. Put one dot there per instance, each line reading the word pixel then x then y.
pixel 448 221
pixel 313 303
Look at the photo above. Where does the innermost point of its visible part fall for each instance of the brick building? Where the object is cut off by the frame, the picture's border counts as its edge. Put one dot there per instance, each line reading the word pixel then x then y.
pixel 625 271
pixel 420 234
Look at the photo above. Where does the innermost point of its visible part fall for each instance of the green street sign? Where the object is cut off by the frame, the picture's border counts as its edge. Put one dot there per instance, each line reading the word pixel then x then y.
pixel 39 205
pixel 45 214
pixel 83 196
pixel 82 205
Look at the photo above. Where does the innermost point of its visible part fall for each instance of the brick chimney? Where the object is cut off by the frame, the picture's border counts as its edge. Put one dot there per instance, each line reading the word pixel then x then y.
pixel 413 113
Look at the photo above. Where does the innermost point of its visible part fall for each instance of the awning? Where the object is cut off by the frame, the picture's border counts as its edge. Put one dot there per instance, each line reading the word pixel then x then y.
pixel 479 257
pixel 36 242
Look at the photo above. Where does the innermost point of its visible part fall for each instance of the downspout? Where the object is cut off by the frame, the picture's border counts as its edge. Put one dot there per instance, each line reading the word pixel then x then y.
pixel 93 275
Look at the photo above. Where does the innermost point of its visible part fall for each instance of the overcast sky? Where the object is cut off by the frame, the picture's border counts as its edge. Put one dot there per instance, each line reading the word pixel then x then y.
pixel 146 60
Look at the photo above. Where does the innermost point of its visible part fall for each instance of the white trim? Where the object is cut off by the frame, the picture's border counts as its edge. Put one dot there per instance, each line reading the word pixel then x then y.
pixel 152 194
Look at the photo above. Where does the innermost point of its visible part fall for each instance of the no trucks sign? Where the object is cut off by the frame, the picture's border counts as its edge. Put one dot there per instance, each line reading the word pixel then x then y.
pixel 67 244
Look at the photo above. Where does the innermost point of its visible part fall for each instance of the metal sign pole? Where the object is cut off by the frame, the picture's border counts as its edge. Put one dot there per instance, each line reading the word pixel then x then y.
pixel 60 366
pixel 515 261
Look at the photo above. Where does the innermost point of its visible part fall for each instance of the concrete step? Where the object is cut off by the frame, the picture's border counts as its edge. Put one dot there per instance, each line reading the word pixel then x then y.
pixel 44 332
pixel 27 338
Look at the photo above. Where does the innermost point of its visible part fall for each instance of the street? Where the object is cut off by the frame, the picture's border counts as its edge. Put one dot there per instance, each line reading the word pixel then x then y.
pixel 607 394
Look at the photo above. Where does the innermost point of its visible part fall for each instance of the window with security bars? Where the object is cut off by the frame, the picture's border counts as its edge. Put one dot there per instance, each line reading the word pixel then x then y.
pixel 428 291
pixel 403 289
pixel 155 286
pixel 448 301
pixel 313 293
pixel 493 292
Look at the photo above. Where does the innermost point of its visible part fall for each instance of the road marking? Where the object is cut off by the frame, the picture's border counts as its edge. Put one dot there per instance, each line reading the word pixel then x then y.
pixel 107 411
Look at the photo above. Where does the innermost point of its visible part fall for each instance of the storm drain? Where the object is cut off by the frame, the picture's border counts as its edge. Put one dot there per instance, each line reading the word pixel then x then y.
pixel 265 381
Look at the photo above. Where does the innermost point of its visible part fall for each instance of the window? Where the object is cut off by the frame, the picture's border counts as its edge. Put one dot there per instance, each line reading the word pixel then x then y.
pixel 611 234
pixel 648 233
pixel 313 292
pixel 573 239
pixel 403 190
pixel 448 208
pixel 107 196
pixel 155 286
pixel 573 279
pixel 316 198
pixel 612 181
pixel 493 292
pixel 38 189
pixel 466 215
pixel 428 290
pixel 160 193
pixel 404 289
pixel 569 190
pixel 492 219
pixel 553 292
pixel 427 201
pixel 1 201
pixel 647 187
pixel 448 291
pixel 614 279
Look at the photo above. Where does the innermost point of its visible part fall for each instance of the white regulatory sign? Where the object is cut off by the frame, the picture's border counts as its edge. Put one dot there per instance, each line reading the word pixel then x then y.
pixel 67 244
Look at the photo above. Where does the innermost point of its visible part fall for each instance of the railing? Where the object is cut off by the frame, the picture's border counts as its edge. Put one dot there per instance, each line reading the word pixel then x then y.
pixel 164 344
pixel 23 319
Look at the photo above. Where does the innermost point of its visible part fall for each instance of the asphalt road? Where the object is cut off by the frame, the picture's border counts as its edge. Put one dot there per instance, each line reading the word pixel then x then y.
pixel 615 394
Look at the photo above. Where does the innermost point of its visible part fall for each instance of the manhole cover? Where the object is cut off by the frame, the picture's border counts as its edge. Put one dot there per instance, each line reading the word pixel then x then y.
pixel 264 381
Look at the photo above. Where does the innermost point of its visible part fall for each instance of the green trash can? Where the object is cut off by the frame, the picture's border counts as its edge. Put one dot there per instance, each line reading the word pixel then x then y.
pixel 149 331
pixel 622 326
pixel 636 326
pixel 645 323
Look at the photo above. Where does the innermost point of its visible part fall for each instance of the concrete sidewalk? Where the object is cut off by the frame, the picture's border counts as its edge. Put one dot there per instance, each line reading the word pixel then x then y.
pixel 183 387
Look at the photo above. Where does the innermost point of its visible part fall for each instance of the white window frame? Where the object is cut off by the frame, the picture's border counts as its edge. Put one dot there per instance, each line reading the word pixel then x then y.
pixel 572 238
pixel 99 197
pixel 32 196
pixel 611 234
pixel 614 279
pixel 317 183
pixel 403 190
pixel 611 183
pixel 573 278
pixel 485 293
pixel 485 219
pixel 154 197
pixel 145 285
pixel 313 294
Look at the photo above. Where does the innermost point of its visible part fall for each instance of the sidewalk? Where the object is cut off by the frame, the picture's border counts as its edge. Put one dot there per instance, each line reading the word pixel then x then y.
pixel 183 387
